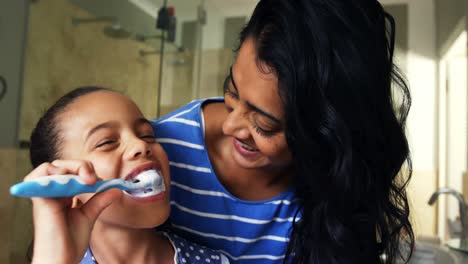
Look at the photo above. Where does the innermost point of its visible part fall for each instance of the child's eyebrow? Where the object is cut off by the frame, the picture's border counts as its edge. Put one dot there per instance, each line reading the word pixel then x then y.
pixel 141 121
pixel 93 130
pixel 112 124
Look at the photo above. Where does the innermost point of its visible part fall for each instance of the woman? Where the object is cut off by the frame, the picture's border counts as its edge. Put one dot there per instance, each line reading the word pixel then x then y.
pixel 301 161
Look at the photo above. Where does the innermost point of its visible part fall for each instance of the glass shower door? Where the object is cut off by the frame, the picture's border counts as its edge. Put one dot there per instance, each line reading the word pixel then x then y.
pixel 181 55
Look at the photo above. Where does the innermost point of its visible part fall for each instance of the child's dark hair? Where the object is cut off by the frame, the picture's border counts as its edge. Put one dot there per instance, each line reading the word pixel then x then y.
pixel 45 139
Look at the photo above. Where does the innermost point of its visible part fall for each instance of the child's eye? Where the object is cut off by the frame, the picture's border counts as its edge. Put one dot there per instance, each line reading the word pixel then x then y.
pixel 228 105
pixel 227 91
pixel 230 95
pixel 229 98
pixel 104 143
pixel 150 138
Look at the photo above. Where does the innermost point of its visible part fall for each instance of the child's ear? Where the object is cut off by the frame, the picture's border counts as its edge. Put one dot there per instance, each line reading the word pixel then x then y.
pixel 76 202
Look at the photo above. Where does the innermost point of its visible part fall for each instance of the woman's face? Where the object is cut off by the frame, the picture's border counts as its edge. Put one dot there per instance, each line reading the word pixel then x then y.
pixel 108 130
pixel 256 116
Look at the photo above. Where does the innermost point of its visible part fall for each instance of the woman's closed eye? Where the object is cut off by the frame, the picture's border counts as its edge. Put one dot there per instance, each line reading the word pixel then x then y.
pixel 263 132
pixel 264 129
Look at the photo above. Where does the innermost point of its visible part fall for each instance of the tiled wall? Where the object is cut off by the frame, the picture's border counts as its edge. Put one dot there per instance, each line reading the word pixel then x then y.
pixel 423 215
pixel 179 82
pixel 60 57
pixel 15 220
pixel 8 171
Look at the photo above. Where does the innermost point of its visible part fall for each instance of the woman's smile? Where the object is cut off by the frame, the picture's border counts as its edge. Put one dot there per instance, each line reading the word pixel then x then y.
pixel 246 151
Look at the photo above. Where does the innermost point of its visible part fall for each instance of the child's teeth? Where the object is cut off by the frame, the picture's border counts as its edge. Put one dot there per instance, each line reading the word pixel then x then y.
pixel 150 176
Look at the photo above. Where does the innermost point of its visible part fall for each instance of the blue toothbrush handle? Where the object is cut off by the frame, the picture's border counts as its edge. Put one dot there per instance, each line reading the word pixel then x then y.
pixel 64 186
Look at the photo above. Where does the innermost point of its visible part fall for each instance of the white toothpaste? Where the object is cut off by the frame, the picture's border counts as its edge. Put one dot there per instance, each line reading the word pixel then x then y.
pixel 153 184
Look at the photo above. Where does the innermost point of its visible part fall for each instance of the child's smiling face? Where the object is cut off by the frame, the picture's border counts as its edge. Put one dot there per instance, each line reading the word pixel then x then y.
pixel 108 130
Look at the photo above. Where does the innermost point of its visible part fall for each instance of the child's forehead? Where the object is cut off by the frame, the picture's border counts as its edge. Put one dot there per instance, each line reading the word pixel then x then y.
pixel 99 107
pixel 105 102
pixel 102 96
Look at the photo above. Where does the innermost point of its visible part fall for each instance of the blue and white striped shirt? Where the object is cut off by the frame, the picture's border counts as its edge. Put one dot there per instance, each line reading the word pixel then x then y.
pixel 204 211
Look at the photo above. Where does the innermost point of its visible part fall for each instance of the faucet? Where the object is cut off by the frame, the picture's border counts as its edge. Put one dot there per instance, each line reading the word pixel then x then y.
pixel 462 207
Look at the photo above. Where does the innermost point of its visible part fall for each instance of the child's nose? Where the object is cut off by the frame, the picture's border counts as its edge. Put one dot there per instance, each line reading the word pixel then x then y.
pixel 138 148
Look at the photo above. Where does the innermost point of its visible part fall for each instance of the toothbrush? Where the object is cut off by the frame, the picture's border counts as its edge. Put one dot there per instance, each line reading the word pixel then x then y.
pixel 70 185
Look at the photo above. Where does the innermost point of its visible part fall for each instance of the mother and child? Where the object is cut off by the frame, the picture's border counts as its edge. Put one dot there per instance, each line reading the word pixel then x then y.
pixel 304 160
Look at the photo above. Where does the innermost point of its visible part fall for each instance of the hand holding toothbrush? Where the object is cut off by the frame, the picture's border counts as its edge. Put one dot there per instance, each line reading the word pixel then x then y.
pixel 69 226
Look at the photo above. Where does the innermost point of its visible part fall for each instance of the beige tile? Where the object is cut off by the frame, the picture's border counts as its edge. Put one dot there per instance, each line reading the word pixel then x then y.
pixel 216 68
pixel 465 186
pixel 423 216
pixel 15 219
pixel 7 175
pixel 60 57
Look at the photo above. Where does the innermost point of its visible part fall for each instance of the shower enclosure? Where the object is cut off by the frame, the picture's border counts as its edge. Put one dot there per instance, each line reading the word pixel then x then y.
pixel 169 37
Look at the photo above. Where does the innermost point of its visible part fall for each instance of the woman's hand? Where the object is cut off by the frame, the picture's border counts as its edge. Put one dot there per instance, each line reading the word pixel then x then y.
pixel 61 232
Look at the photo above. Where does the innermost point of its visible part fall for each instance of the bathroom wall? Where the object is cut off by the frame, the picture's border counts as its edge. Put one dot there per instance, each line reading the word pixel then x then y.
pixel 177 91
pixel 7 205
pixel 419 66
pixel 11 64
pixel 422 119
pixel 451 22
pixel 60 57
pixel 449 15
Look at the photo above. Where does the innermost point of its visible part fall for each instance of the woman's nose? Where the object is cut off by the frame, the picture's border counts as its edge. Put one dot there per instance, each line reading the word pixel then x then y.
pixel 236 124
pixel 138 148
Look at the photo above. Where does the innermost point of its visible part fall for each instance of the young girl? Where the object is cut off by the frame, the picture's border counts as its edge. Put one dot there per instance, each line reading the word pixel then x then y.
pixel 97 133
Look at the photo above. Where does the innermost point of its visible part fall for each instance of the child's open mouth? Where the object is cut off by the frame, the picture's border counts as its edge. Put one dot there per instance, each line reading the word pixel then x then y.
pixel 154 184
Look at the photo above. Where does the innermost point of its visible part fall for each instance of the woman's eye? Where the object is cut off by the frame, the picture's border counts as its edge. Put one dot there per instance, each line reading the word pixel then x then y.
pixel 264 132
pixel 262 129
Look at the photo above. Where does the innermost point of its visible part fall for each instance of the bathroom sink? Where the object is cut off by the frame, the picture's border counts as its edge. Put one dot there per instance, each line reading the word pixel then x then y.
pixel 425 253
pixel 458 244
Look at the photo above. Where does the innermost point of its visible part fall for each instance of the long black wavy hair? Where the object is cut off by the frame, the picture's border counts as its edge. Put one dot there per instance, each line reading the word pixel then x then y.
pixel 346 131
